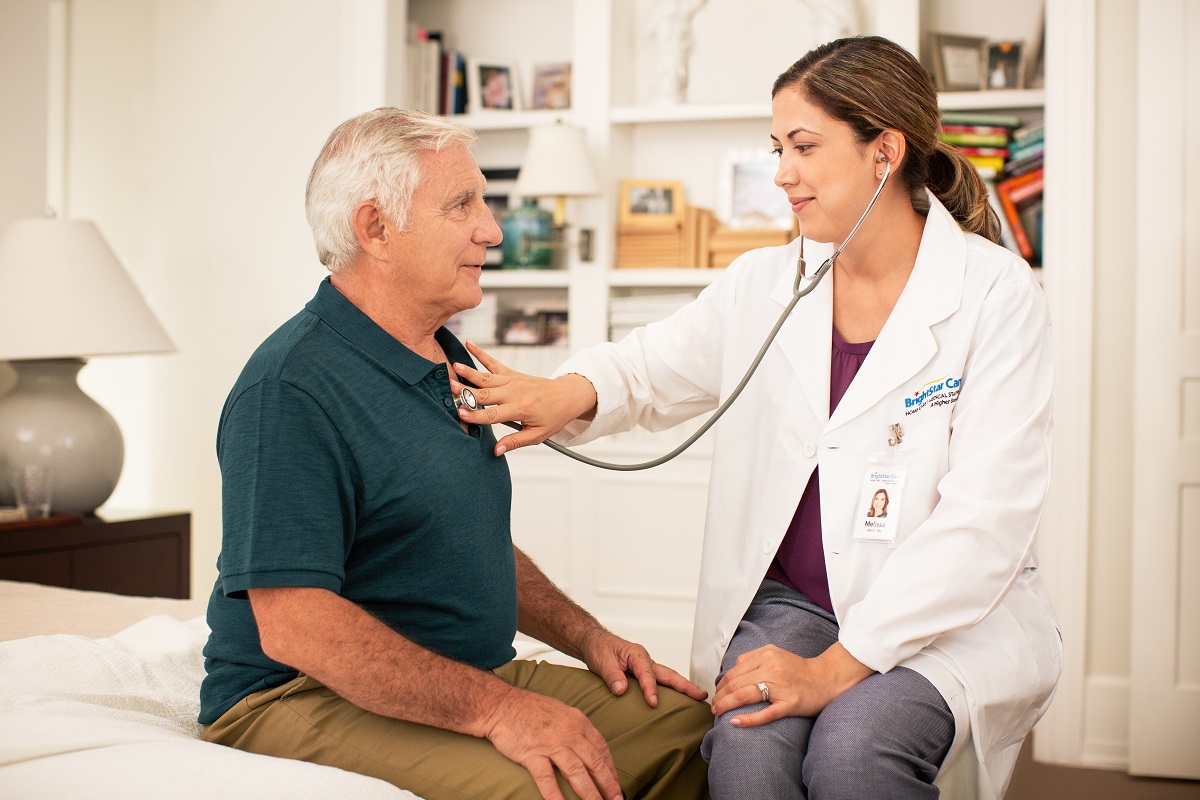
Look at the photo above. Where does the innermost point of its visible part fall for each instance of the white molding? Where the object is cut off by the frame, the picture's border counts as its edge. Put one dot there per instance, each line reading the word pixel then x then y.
pixel 1068 256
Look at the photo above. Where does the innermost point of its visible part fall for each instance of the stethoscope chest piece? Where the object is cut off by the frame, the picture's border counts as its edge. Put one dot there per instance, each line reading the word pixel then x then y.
pixel 466 398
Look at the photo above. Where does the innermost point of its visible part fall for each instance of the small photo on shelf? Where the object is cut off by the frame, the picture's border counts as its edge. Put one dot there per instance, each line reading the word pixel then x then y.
pixel 514 327
pixel 1005 66
pixel 493 85
pixel 958 62
pixel 651 203
pixel 551 86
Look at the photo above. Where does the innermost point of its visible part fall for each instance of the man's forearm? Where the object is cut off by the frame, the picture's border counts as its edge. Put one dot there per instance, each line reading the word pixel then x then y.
pixel 547 614
pixel 364 661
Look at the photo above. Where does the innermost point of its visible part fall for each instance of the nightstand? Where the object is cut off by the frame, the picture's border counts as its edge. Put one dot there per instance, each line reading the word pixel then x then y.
pixel 146 554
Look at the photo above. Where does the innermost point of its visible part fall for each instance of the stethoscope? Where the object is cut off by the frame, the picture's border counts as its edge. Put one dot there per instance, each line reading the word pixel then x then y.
pixel 467 397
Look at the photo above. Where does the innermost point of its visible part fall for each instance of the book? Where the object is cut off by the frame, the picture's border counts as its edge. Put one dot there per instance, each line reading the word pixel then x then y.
pixel 980 118
pixel 1014 168
pixel 1005 190
pixel 993 163
pixel 1006 232
pixel 996 129
pixel 1033 132
pixel 985 151
pixel 976 139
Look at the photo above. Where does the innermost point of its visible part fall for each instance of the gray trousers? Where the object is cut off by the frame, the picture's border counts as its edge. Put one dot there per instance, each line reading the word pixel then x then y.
pixel 883 739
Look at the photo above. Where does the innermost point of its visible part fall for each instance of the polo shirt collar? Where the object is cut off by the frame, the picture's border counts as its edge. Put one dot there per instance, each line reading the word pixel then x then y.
pixel 348 321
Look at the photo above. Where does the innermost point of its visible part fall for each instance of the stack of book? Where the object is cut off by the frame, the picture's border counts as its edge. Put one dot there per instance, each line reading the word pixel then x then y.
pixel 436 75
pixel 1026 150
pixel 984 138
pixel 1009 157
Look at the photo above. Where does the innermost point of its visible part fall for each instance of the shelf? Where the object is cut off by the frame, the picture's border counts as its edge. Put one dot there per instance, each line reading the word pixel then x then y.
pixel 525 279
pixel 1000 98
pixel 662 277
pixel 632 115
pixel 511 120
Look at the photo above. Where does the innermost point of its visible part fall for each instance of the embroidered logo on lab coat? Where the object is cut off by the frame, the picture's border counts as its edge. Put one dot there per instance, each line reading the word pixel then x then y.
pixel 939 392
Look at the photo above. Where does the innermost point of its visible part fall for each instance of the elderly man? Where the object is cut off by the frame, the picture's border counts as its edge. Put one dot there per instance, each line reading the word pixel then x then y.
pixel 369 590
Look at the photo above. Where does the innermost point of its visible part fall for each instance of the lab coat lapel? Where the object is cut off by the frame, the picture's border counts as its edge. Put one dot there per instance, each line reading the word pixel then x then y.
pixel 906 343
pixel 806 337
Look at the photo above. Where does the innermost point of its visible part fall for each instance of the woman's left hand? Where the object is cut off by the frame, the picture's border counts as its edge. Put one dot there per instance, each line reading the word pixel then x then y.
pixel 798 687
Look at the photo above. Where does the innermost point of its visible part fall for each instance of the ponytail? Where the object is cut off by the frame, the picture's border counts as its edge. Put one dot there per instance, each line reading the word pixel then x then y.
pixel 954 180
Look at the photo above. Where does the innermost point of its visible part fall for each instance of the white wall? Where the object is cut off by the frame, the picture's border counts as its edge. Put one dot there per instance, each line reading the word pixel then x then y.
pixel 24 64
pixel 192 127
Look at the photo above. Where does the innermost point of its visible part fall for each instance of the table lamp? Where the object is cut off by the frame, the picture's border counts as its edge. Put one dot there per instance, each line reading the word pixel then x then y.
pixel 64 297
pixel 557 164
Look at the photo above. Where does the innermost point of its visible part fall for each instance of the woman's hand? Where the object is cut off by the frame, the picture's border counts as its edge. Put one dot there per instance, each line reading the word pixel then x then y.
pixel 542 406
pixel 798 687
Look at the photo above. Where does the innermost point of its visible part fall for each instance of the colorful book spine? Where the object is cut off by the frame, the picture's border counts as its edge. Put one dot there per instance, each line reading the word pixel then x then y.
pixel 976 139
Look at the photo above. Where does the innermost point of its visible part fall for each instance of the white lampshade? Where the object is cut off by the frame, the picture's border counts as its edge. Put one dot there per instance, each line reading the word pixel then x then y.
pixel 63 294
pixel 557 164
pixel 63 297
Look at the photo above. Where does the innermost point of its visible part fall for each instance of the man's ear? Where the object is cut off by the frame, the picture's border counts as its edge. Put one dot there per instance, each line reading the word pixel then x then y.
pixel 371 228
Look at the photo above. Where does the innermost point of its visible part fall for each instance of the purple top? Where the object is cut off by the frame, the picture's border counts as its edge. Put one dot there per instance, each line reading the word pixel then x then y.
pixel 800 560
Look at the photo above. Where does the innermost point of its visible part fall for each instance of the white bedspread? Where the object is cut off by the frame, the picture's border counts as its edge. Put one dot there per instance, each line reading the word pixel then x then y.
pixel 116 718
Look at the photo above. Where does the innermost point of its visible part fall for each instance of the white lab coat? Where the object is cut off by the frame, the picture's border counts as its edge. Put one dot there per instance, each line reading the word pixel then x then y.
pixel 960 591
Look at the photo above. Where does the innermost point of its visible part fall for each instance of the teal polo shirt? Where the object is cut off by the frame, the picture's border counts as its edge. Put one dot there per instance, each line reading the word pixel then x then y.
pixel 344 467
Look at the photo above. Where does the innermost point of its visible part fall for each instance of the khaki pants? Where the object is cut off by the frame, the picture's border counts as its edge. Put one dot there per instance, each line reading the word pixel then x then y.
pixel 656 750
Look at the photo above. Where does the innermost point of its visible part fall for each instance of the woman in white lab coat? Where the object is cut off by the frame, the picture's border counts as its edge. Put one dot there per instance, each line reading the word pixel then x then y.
pixel 852 657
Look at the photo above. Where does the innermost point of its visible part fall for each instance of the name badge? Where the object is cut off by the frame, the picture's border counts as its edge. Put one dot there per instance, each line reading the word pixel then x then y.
pixel 878 513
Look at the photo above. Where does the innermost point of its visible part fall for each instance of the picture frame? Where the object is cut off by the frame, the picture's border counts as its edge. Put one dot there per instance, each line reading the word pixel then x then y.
pixel 958 62
pixel 500 195
pixel 1005 65
pixel 555 328
pixel 747 196
pixel 519 328
pixel 551 86
pixel 1035 60
pixel 493 85
pixel 651 203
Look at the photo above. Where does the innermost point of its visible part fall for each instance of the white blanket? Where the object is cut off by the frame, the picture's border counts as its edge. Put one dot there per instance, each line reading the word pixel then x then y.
pixel 116 718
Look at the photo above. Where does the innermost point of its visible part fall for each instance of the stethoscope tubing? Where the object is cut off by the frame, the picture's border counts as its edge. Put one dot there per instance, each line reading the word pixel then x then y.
pixel 797 295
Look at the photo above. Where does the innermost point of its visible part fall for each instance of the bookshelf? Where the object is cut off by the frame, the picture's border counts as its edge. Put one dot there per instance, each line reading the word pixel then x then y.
pixel 574 520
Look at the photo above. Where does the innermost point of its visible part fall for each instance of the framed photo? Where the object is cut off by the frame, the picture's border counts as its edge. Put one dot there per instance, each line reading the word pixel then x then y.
pixel 492 85
pixel 517 327
pixel 1035 61
pixel 502 181
pixel 554 327
pixel 958 62
pixel 1005 66
pixel 746 191
pixel 551 86
pixel 651 203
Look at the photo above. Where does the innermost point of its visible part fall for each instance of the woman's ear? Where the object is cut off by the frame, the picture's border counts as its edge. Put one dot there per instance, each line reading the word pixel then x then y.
pixel 891 147
pixel 371 228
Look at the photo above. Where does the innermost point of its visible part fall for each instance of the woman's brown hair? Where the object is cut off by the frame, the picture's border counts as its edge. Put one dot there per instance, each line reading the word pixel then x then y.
pixel 872 83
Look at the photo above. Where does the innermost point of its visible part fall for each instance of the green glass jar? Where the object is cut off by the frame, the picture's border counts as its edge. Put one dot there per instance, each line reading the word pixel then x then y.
pixel 528 236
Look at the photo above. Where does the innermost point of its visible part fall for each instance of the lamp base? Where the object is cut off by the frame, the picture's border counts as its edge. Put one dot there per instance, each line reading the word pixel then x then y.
pixel 47 419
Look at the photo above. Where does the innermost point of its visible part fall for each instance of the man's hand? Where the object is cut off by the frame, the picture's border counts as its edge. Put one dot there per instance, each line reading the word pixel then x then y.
pixel 612 658
pixel 542 406
pixel 542 734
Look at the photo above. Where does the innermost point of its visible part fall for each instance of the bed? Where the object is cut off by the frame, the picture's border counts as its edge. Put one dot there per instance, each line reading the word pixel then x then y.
pixel 99 696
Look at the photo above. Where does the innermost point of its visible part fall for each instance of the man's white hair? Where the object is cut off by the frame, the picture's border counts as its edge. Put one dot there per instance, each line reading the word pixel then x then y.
pixel 373 156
